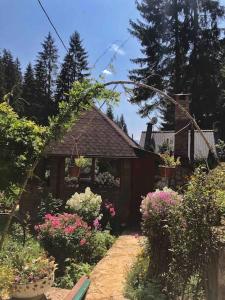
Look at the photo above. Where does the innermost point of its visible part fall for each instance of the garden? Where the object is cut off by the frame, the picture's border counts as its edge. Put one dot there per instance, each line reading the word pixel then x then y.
pixel 69 238
pixel 184 234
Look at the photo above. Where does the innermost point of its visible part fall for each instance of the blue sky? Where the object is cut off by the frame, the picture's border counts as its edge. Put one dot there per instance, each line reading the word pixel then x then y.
pixel 102 24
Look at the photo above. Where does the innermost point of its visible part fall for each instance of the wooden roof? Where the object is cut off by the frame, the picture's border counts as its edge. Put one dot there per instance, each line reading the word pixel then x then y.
pixel 96 136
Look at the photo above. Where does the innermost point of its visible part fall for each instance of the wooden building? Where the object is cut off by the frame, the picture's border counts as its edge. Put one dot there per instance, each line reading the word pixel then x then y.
pixel 97 137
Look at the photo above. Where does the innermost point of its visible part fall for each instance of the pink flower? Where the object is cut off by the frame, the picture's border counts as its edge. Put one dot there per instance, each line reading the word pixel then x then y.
pixel 69 229
pixel 112 211
pixel 83 242
pixel 96 224
pixel 56 223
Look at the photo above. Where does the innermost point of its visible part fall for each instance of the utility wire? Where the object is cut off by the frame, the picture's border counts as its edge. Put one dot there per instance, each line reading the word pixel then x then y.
pixel 50 21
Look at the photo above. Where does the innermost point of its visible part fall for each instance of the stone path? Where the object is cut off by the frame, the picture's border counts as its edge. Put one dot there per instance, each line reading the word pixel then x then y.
pixel 56 294
pixel 109 275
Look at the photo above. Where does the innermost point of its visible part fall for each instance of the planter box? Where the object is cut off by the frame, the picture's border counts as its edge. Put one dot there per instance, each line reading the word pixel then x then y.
pixel 33 290
pixel 167 171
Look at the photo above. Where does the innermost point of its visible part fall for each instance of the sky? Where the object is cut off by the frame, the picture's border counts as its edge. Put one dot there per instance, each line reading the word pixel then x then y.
pixel 102 24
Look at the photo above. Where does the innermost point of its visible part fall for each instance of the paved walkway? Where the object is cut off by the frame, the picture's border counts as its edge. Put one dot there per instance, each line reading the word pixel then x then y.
pixel 109 275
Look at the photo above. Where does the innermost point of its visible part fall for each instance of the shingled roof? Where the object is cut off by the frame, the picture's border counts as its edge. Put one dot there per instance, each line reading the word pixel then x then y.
pixel 100 137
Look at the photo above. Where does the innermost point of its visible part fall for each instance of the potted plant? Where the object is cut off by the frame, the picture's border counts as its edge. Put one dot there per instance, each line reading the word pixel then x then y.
pixel 34 279
pixel 79 163
pixel 169 165
pixel 27 271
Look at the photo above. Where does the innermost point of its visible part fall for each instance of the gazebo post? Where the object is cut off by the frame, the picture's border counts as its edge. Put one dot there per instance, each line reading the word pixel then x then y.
pixel 57 176
pixel 93 165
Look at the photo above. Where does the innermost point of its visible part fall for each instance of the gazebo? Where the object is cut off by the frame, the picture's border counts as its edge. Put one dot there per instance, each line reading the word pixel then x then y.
pixel 95 136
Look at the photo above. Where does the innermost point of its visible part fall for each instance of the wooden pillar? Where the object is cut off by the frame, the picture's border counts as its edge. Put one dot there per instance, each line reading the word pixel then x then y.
pixel 57 176
pixel 124 204
pixel 93 165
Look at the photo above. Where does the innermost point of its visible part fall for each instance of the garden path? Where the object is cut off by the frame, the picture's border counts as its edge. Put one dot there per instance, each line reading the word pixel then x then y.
pixel 109 275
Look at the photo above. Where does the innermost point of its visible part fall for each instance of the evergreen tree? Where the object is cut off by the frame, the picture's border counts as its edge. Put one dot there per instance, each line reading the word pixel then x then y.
pixel 74 67
pixel 176 36
pixel 109 112
pixel 11 80
pixel 122 124
pixel 28 90
pixel 45 74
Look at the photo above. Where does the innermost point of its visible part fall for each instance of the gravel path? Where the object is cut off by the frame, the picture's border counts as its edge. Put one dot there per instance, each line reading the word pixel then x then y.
pixel 109 275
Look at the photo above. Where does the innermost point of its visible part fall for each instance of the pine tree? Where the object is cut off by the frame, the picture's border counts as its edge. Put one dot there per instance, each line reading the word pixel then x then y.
pixel 109 112
pixel 45 74
pixel 74 67
pixel 122 124
pixel 11 80
pixel 28 90
pixel 176 36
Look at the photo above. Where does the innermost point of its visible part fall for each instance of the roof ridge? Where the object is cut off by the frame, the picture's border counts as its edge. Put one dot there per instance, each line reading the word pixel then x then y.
pixel 125 137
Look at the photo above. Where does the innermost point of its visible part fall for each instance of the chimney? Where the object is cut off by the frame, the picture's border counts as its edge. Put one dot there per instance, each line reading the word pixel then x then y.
pixel 181 120
pixel 148 137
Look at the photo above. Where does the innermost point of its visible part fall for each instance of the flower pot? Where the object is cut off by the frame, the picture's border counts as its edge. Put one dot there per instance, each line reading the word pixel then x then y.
pixel 74 171
pixel 33 290
pixel 166 171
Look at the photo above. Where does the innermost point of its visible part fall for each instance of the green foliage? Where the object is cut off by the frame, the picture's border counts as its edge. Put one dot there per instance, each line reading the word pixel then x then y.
pixel 21 142
pixel 138 286
pixel 49 204
pixel 100 243
pixel 73 272
pixel 6 281
pixel 82 162
pixel 170 160
pixel 28 263
pixel 45 74
pixel 74 68
pixel 175 37
pixel 11 81
pixel 220 147
pixel 191 235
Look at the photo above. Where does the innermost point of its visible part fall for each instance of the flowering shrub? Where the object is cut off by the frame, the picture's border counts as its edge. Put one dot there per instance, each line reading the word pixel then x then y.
pixel 155 209
pixel 65 236
pixel 87 205
pixel 158 203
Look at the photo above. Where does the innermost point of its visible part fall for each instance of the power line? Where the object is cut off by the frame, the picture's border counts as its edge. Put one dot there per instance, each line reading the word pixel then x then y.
pixel 50 21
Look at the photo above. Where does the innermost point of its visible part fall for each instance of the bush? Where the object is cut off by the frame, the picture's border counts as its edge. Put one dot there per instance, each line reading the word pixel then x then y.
pixel 100 242
pixel 139 286
pixel 156 209
pixel 49 205
pixel 73 272
pixel 68 236
pixel 65 236
pixel 191 236
pixel 87 205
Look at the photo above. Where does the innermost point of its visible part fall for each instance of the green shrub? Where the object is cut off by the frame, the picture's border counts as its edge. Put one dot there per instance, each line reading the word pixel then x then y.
pixel 49 205
pixel 191 236
pixel 100 243
pixel 73 272
pixel 138 286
